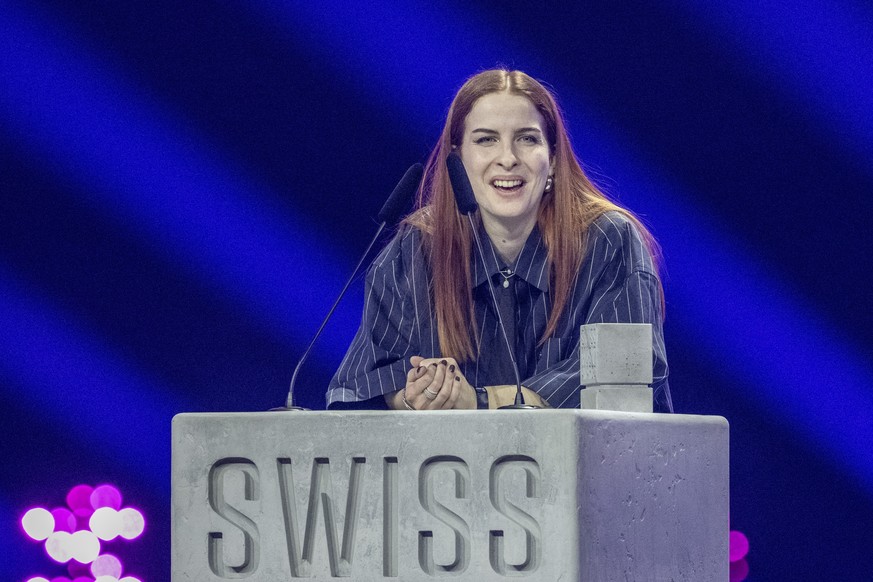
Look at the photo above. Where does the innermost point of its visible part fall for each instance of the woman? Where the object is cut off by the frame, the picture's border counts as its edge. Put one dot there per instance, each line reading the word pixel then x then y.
pixel 558 254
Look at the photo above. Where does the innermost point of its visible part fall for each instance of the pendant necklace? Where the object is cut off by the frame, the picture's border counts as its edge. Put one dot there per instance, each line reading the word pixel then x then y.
pixel 507 274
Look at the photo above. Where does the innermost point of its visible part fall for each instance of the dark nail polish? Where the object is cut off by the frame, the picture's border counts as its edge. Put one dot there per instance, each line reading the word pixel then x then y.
pixel 457 378
pixel 452 368
pixel 443 362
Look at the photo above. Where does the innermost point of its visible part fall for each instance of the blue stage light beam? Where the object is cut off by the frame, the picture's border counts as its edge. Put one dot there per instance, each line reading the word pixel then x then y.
pixel 10 532
pixel 138 165
pixel 408 61
pixel 821 54
pixel 87 389
pixel 748 324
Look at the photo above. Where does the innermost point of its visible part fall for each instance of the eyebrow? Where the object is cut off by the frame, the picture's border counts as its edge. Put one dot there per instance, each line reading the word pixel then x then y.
pixel 519 130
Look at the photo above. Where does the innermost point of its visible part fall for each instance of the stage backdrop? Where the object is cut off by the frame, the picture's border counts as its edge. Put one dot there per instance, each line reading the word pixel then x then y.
pixel 185 185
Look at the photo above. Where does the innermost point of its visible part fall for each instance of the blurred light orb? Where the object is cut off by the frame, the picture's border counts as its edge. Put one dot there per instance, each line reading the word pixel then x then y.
pixel 77 570
pixel 64 519
pixel 106 565
pixel 59 546
pixel 38 523
pixel 79 500
pixel 83 579
pixel 739 546
pixel 106 579
pixel 85 547
pixel 106 523
pixel 61 579
pixel 738 571
pixel 106 496
pixel 129 579
pixel 132 523
pixel 37 579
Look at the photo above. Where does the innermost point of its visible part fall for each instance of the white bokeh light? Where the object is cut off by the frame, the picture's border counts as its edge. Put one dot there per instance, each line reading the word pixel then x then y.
pixel 105 523
pixel 85 547
pixel 106 565
pixel 106 579
pixel 59 546
pixel 38 579
pixel 132 523
pixel 129 579
pixel 38 523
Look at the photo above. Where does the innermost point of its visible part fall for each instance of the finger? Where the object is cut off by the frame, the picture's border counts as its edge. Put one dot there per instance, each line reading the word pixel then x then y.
pixel 415 373
pixel 415 361
pixel 432 391
pixel 429 361
pixel 455 392
pixel 416 380
pixel 442 385
pixel 415 389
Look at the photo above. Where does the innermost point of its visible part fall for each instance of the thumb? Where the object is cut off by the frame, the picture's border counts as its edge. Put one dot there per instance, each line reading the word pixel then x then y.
pixel 416 361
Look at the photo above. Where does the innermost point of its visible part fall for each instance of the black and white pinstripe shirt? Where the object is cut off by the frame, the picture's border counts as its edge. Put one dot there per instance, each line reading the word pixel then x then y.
pixel 616 283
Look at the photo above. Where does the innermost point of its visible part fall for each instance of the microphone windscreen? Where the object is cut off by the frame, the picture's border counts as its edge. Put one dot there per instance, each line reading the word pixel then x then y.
pixel 402 194
pixel 461 184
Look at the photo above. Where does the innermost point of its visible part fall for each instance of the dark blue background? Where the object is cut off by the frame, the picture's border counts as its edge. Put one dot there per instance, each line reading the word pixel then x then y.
pixel 184 185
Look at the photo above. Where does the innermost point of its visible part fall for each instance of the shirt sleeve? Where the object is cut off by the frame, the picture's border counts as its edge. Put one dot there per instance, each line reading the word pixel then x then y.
pixel 377 359
pixel 617 284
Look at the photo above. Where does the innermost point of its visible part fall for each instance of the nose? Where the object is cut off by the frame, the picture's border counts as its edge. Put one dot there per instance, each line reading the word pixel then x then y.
pixel 507 159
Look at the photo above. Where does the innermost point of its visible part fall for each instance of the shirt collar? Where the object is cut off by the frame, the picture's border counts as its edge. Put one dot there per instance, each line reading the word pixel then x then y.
pixel 532 263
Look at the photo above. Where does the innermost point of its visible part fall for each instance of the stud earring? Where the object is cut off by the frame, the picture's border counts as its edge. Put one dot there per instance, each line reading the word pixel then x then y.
pixel 548 184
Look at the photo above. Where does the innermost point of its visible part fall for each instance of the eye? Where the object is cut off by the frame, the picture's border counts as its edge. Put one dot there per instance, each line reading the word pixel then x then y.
pixel 485 140
pixel 529 138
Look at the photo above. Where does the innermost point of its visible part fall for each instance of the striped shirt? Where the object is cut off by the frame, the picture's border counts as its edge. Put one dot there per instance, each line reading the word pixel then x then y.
pixel 617 283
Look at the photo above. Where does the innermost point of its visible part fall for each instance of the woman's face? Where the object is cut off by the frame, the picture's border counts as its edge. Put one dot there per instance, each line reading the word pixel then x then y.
pixel 506 155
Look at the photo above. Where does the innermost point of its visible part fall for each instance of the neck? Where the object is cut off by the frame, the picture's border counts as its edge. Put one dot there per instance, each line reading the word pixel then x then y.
pixel 508 240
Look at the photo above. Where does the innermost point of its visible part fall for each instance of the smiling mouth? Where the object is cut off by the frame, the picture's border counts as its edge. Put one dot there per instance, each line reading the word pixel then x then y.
pixel 507 185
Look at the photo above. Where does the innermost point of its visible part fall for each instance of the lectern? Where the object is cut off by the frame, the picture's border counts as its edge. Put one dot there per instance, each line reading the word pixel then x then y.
pixel 547 495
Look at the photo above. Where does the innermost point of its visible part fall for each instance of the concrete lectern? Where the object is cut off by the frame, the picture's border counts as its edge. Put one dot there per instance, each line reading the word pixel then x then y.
pixel 476 495
pixel 548 495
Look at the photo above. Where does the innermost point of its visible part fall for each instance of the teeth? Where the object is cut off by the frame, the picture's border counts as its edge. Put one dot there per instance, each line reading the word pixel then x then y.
pixel 507 183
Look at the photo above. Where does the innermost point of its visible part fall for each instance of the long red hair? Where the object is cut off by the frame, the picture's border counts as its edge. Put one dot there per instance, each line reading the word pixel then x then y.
pixel 564 216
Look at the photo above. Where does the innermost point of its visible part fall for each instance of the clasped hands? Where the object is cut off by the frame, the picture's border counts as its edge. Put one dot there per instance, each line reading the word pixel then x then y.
pixel 434 384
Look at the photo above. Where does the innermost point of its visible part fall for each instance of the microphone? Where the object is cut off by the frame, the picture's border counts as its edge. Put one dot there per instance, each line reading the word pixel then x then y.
pixel 467 205
pixel 391 211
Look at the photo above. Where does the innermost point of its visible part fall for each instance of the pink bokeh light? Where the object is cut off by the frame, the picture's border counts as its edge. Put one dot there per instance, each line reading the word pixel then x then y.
pixel 739 571
pixel 78 570
pixel 79 500
pixel 106 496
pixel 739 546
pixel 64 519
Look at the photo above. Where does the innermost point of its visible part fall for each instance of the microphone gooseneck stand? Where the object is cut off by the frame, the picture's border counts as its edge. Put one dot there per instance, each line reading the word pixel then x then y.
pixel 390 212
